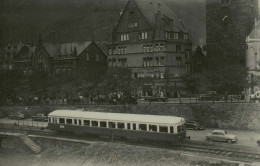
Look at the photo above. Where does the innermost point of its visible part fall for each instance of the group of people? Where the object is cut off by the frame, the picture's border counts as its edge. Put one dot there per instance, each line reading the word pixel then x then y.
pixel 95 99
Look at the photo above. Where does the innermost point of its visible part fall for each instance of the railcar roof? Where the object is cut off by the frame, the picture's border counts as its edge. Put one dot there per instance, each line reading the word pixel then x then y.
pixel 117 116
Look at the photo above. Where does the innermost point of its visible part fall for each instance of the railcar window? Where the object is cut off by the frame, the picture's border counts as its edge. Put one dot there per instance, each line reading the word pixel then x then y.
pixel 75 121
pixel 134 126
pixel 153 128
pixel 69 121
pixel 94 123
pixel 128 126
pixel 143 127
pixel 171 129
pixel 178 129
pixel 80 122
pixel 86 123
pixel 163 129
pixel 103 124
pixel 112 125
pixel 61 120
pixel 120 125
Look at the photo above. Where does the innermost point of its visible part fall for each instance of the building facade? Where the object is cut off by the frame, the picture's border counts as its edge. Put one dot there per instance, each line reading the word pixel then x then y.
pixel 253 58
pixel 153 42
pixel 228 23
pixel 78 57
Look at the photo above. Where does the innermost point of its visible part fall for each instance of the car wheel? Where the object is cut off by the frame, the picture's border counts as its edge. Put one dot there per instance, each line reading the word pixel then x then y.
pixel 229 141
pixel 210 140
pixel 195 128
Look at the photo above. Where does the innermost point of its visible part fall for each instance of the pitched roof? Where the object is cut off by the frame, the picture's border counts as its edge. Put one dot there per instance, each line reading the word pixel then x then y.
pixel 65 48
pixel 150 8
pixel 50 48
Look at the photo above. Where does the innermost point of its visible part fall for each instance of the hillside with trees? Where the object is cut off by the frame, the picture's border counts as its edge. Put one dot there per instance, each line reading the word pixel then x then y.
pixel 77 20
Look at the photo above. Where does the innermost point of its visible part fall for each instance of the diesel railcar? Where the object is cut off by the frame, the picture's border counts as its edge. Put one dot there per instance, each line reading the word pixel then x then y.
pixel 128 126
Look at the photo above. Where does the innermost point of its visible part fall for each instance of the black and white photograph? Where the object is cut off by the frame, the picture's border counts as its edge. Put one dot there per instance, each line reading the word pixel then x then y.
pixel 130 82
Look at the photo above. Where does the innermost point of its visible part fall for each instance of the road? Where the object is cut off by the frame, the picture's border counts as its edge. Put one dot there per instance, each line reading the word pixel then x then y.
pixel 245 138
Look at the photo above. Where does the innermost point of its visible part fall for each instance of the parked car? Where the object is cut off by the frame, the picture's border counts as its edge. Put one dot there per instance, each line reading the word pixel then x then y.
pixel 160 99
pixel 221 136
pixel 207 97
pixel 258 141
pixel 16 115
pixel 193 125
pixel 39 117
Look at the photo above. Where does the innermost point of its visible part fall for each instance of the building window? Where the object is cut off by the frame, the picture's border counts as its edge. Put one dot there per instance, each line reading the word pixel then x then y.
pixel 97 57
pixel 187 67
pixel 179 61
pixel 132 25
pixel 225 55
pixel 225 38
pixel 167 35
pixel 110 51
pixel 87 57
pixel 175 35
pixel 132 13
pixel 162 75
pixel 125 37
pixel 114 51
pixel 114 62
pixel 185 36
pixel 157 47
pixel 225 72
pixel 178 48
pixel 143 35
pixel 162 61
pixel 150 48
pixel 157 61
pixel 122 50
pixel 162 46
pixel 188 54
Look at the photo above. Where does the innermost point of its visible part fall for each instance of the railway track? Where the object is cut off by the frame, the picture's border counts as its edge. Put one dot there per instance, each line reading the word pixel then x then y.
pixel 199 149
pixel 238 155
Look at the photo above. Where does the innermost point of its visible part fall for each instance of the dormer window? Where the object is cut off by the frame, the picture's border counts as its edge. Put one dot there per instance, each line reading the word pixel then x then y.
pixel 132 25
pixel 132 13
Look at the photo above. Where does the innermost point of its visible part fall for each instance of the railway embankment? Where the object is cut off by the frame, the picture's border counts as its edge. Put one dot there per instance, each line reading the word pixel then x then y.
pixel 241 116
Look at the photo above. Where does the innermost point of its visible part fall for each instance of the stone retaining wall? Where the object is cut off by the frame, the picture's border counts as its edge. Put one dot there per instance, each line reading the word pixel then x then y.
pixel 245 116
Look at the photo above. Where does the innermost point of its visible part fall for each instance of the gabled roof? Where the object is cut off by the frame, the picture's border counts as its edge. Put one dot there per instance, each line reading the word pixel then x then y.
pixel 66 48
pixel 150 9
pixel 50 48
